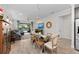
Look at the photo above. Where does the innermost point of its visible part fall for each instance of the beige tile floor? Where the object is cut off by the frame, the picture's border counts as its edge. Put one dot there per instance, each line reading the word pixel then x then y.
pixel 25 46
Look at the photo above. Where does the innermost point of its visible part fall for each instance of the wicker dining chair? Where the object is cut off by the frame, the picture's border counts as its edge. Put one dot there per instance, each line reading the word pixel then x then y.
pixel 52 44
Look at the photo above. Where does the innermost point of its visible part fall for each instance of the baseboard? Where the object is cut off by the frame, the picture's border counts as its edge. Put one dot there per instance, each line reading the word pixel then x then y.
pixel 65 38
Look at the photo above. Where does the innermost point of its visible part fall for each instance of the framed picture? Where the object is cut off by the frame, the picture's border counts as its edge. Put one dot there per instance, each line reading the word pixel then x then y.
pixel 41 26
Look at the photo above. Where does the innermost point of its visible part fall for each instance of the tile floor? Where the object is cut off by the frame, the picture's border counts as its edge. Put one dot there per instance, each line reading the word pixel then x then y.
pixel 25 46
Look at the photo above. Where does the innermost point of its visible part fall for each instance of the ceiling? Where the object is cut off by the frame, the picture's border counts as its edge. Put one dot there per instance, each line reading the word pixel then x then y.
pixel 33 10
pixel 76 5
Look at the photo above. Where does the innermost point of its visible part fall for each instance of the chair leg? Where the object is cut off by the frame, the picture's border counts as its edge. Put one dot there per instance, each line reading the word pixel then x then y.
pixel 43 49
pixel 54 51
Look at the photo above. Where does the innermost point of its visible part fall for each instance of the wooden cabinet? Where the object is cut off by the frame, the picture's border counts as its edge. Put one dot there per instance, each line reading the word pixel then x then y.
pixel 5 45
pixel 1 38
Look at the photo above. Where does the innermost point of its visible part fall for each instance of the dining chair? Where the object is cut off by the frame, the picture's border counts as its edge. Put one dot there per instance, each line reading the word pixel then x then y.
pixel 52 44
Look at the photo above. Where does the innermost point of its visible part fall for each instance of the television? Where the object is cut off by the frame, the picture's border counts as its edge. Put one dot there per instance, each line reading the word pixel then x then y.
pixel 40 25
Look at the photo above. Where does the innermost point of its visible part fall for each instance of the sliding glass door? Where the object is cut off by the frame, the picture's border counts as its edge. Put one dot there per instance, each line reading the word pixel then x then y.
pixel 25 27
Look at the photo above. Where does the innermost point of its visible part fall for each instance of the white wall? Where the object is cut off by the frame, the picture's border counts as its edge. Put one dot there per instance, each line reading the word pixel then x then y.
pixel 66 27
pixel 55 24
pixel 58 23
